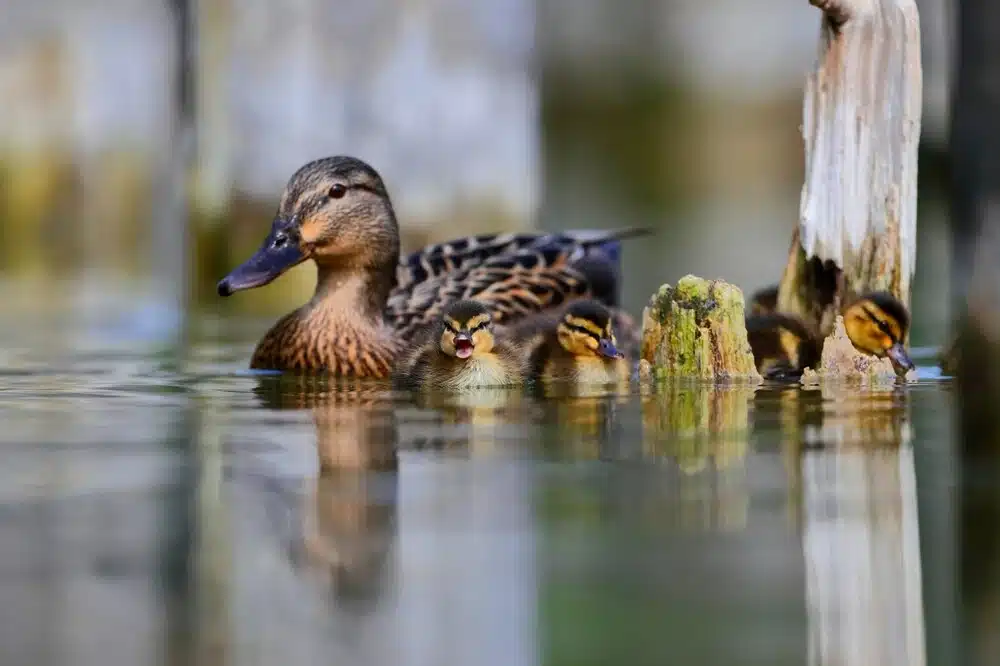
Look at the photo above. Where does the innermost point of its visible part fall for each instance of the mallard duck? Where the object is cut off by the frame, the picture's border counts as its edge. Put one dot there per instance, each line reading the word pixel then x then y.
pixel 337 213
pixel 462 353
pixel 784 345
pixel 580 349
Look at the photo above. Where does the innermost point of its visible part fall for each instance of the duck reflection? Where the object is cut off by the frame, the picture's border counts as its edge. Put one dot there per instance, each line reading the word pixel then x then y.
pixel 474 421
pixel 582 422
pixel 348 522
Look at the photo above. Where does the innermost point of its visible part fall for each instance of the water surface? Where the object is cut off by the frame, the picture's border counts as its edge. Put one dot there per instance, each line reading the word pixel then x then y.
pixel 159 502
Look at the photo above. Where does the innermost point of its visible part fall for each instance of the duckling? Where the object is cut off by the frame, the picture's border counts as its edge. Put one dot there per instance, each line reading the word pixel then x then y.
pixel 784 345
pixel 336 212
pixel 764 301
pixel 877 324
pixel 581 349
pixel 463 353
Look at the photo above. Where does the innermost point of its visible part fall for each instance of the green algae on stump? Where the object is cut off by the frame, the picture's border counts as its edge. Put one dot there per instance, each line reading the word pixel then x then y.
pixel 697 330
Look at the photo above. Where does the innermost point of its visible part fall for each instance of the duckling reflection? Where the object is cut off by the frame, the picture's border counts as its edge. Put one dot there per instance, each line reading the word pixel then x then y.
pixel 821 427
pixel 348 525
pixel 584 428
pixel 471 422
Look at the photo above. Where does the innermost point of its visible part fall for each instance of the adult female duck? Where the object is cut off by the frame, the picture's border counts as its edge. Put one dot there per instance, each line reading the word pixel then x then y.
pixel 336 212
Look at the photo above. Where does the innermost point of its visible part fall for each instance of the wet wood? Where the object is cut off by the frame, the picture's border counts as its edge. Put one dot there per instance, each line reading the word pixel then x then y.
pixel 861 128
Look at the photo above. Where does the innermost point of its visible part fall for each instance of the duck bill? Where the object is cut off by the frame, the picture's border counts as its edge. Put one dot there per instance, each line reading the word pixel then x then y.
pixel 607 349
pixel 463 345
pixel 900 359
pixel 266 265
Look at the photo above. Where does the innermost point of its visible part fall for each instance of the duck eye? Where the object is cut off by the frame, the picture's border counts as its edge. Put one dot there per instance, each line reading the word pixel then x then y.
pixel 337 191
pixel 280 241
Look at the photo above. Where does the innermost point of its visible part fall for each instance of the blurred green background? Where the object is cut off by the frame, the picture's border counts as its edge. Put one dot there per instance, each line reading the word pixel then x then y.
pixel 134 172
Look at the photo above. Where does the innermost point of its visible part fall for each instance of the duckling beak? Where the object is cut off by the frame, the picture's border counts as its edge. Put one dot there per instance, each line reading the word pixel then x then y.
pixel 608 349
pixel 267 263
pixel 900 359
pixel 463 345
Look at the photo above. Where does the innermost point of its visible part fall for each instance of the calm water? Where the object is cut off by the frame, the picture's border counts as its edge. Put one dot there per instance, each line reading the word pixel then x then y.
pixel 161 504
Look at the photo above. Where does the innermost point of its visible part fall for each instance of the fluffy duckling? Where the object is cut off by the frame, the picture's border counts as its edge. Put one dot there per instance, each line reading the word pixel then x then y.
pixel 877 324
pixel 764 301
pixel 580 349
pixel 784 345
pixel 462 352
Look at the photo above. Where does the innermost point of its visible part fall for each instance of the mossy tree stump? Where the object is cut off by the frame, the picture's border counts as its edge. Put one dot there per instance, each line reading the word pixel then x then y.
pixel 696 330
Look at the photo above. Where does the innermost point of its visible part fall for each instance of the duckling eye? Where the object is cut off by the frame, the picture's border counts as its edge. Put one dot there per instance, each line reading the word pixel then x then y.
pixel 337 191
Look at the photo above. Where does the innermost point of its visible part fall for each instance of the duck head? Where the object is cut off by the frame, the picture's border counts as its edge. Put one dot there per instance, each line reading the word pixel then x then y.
pixel 585 330
pixel 334 211
pixel 876 324
pixel 466 328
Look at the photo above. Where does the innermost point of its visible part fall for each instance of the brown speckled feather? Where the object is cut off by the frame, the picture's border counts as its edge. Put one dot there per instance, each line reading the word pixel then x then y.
pixel 313 338
pixel 513 287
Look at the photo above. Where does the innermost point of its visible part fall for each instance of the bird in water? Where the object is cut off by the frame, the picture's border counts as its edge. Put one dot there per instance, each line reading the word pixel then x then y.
pixel 368 301
pixel 784 345
pixel 581 349
pixel 462 352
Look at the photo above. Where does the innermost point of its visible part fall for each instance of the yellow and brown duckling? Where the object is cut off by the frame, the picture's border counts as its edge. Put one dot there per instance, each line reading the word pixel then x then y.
pixel 337 213
pixel 461 353
pixel 877 324
pixel 784 345
pixel 581 349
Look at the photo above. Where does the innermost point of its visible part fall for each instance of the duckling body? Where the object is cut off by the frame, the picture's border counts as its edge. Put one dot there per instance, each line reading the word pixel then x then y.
pixel 784 345
pixel 581 349
pixel 369 303
pixel 463 353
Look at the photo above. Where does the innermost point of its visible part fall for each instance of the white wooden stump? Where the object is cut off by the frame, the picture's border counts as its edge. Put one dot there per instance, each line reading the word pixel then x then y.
pixel 861 128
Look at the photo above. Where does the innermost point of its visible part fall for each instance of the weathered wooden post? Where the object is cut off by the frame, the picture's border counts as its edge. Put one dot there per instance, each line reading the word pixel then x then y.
pixel 861 127
pixel 857 232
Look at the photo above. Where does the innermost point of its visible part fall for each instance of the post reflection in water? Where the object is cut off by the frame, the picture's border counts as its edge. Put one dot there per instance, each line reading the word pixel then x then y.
pixel 852 461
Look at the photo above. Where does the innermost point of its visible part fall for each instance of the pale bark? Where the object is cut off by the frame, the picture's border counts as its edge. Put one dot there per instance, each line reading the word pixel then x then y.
pixel 861 128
